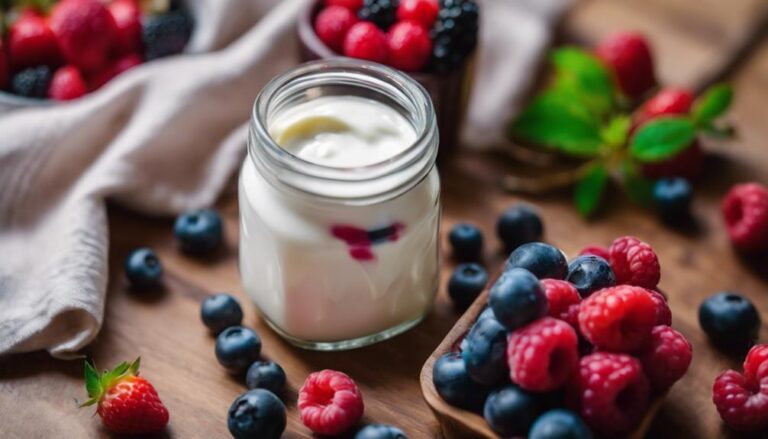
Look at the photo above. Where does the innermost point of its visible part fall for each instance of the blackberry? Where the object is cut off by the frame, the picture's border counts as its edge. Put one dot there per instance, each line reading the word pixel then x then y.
pixel 166 34
pixel 32 82
pixel 454 35
pixel 382 13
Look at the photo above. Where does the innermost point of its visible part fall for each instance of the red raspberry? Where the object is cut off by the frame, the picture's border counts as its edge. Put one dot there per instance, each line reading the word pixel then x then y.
pixel 745 209
pixel 330 403
pixel 409 46
pixel 666 358
pixel 543 355
pixel 663 313
pixel 597 250
pixel 117 67
pixel 634 262
pixel 667 102
pixel 352 5
pixel 618 318
pixel 127 18
pixel 756 364
pixel 611 392
pixel 423 12
pixel 67 84
pixel 366 41
pixel 743 406
pixel 686 163
pixel 31 42
pixel 628 55
pixel 563 301
pixel 332 25
pixel 85 31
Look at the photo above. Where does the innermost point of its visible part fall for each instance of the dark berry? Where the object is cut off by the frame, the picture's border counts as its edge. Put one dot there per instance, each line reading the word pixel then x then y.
pixel 32 82
pixel 466 283
pixel 454 384
pixel 590 273
pixel 220 311
pixel 166 34
pixel 199 231
pixel 256 413
pixel 484 351
pixel 454 34
pixel 517 298
pixel 519 225
pixel 237 348
pixel 382 13
pixel 730 320
pixel 487 313
pixel 466 241
pixel 266 375
pixel 510 411
pixel 380 431
pixel 673 198
pixel 143 269
pixel 559 424
pixel 543 260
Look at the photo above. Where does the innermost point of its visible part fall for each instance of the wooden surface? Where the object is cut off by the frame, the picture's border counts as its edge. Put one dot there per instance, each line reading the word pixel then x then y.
pixel 693 41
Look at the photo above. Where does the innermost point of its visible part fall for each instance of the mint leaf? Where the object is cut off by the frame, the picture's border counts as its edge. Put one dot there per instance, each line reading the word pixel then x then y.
pixel 636 186
pixel 661 139
pixel 712 103
pixel 581 74
pixel 615 132
pixel 589 190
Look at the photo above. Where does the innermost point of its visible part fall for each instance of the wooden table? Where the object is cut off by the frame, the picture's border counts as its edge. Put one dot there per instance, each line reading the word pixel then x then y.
pixel 693 42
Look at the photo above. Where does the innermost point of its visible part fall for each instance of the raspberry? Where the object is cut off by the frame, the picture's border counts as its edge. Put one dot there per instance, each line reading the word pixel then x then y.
pixel 611 392
pixel 668 101
pixel 543 355
pixel 67 83
pixel 634 262
pixel 365 41
pixel 743 406
pixel 756 364
pixel 666 358
pixel 745 209
pixel 663 313
pixel 409 46
pixel 352 5
pixel 563 300
pixel 423 12
pixel 619 318
pixel 332 24
pixel 597 250
pixel 329 402
pixel 629 56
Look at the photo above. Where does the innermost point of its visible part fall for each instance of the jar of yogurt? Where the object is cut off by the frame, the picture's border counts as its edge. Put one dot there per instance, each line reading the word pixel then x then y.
pixel 339 204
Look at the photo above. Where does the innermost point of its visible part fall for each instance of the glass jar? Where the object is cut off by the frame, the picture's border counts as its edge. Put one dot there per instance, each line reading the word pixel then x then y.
pixel 340 257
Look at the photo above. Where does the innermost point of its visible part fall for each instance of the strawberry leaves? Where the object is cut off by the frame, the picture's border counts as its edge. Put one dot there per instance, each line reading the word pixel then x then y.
pixel 97 384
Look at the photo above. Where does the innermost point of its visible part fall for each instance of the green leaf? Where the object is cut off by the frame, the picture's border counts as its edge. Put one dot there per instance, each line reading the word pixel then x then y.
pixel 712 103
pixel 638 188
pixel 615 132
pixel 582 75
pixel 589 190
pixel 662 138
pixel 92 380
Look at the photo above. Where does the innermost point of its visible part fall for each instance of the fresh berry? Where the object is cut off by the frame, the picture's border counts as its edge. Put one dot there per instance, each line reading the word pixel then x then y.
pixel 266 375
pixel 663 313
pixel 332 24
pixel 559 424
pixel 543 260
pixel 113 69
pixel 730 320
pixel 67 84
pixel 667 102
pixel 611 392
pixel 666 358
pixel 380 431
pixel 126 402
pixel 634 262
pixel 31 42
pixel 127 18
pixel 382 13
pixel 199 231
pixel 518 225
pixel 484 351
pixel 756 364
pixel 453 384
pixel 745 209
pixel 5 68
pixel 466 283
pixel 256 413
pixel 32 82
pixel 673 198
pixel 486 314
pixel 143 268
pixel 543 355
pixel 330 403
pixel 597 250
pixel 454 35
pixel 629 56
pixel 619 318
pixel 466 241
pixel 237 347
pixel 352 5
pixel 686 164
pixel 423 12
pixel 590 273
pixel 366 41
pixel 510 411
pixel 220 311
pixel 166 34
pixel 517 298
pixel 409 46
pixel 742 405
pixel 85 31
pixel 563 300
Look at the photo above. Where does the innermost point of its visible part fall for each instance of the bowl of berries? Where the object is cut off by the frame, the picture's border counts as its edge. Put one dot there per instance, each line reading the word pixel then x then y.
pixel 432 40
pixel 62 50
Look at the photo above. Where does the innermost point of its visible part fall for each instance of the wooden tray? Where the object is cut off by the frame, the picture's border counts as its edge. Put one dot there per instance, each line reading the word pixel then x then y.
pixel 457 423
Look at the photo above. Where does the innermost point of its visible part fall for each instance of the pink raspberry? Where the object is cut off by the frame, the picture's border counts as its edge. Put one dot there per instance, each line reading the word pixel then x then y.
pixel 330 403
pixel 742 405
pixel 366 41
pixel 634 262
pixel 756 364
pixel 611 392
pixel 618 318
pixel 563 301
pixel 663 313
pixel 597 250
pixel 745 209
pixel 666 358
pixel 332 25
pixel 543 355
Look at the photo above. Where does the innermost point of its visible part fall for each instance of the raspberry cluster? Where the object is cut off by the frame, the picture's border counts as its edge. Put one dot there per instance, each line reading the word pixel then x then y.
pixel 742 398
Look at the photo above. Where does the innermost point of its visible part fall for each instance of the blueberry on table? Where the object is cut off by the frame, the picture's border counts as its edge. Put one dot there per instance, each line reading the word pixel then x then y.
pixel 143 268
pixel 510 411
pixel 730 320
pixel 199 231
pixel 467 242
pixel 454 384
pixel 256 413
pixel 518 225
pixel 380 431
pixel 266 375
pixel 589 273
pixel 559 424
pixel 517 298
pixel 466 283
pixel 543 260
pixel 220 311
pixel 237 347
pixel 484 351
pixel 673 197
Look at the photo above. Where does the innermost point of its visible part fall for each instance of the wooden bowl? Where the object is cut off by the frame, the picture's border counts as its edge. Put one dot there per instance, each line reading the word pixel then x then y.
pixel 457 423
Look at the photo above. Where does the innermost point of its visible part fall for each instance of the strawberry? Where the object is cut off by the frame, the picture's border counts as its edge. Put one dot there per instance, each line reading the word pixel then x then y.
pixel 86 32
pixel 126 402
pixel 127 18
pixel 629 56
pixel 113 69
pixel 668 101
pixel 31 42
pixel 67 84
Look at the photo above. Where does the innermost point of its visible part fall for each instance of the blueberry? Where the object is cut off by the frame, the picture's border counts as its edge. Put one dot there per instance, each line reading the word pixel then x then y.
pixel 220 311
pixel 467 242
pixel 198 231
pixel 237 348
pixel 487 313
pixel 466 283
pixel 380 431
pixel 484 351
pixel 559 424
pixel 510 411
pixel 143 268
pixel 730 320
pixel 517 298
pixel 165 34
pixel 519 225
pixel 673 197
pixel 543 260
pixel 266 375
pixel 589 273
pixel 454 385
pixel 256 413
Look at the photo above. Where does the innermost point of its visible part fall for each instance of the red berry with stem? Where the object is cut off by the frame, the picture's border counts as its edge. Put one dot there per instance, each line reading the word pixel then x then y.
pixel 629 56
pixel 409 46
